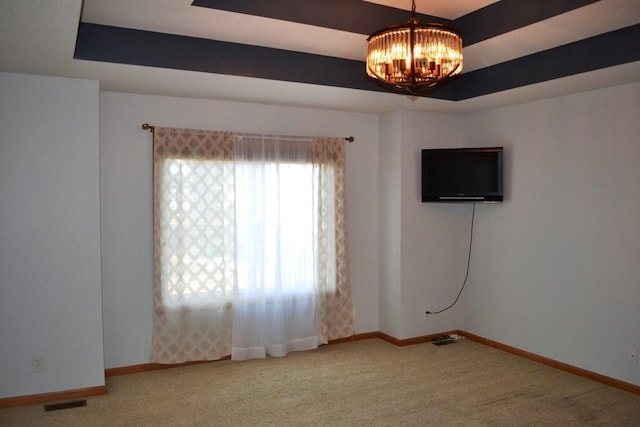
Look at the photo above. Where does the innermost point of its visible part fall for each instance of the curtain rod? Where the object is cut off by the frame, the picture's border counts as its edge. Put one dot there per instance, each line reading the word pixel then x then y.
pixel 147 126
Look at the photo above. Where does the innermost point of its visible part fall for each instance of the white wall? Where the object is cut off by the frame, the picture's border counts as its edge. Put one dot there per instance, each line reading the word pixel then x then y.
pixel 432 255
pixel 390 185
pixel 126 191
pixel 50 302
pixel 555 267
pixel 421 263
pixel 556 270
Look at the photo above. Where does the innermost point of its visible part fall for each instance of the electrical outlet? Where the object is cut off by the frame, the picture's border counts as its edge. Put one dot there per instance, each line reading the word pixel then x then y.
pixel 632 357
pixel 37 363
pixel 426 316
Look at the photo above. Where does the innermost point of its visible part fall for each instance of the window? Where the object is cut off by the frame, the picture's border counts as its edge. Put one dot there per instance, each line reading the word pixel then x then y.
pixel 249 245
pixel 200 263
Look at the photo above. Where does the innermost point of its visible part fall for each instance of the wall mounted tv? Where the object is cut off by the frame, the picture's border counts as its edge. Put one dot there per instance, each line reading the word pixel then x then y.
pixel 462 175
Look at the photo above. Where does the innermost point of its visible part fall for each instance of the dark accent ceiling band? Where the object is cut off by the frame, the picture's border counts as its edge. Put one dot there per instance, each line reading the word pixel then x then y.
pixel 355 16
pixel 508 15
pixel 136 47
pixel 362 17
pixel 606 50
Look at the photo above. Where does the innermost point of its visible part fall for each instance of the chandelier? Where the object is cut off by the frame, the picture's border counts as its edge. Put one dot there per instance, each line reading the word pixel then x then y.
pixel 414 57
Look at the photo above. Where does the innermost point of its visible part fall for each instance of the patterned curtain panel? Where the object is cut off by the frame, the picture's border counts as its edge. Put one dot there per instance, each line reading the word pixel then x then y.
pixel 250 254
pixel 193 218
pixel 336 310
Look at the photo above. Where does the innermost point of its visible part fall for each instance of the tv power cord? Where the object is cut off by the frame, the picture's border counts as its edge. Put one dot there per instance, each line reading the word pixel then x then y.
pixel 466 277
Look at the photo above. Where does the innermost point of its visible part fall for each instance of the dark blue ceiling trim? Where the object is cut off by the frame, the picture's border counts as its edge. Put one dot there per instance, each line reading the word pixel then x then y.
pixel 362 17
pixel 127 46
pixel 508 15
pixel 355 16
pixel 602 51
pixel 135 47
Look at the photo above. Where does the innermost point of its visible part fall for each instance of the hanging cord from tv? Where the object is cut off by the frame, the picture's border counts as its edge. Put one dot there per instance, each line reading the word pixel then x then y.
pixel 473 215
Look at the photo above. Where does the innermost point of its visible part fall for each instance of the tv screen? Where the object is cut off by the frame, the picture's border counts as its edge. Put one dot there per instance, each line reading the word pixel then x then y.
pixel 462 175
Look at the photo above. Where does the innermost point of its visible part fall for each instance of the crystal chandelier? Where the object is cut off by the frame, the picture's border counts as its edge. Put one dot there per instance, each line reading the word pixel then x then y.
pixel 414 57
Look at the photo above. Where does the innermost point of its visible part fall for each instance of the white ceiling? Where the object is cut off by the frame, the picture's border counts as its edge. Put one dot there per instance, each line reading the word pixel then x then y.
pixel 39 36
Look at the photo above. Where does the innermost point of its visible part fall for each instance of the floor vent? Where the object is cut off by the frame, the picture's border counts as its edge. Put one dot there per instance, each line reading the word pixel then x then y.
pixel 65 405
pixel 443 340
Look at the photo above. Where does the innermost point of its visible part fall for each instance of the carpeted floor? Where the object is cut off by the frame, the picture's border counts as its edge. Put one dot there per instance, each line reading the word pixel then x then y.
pixel 361 383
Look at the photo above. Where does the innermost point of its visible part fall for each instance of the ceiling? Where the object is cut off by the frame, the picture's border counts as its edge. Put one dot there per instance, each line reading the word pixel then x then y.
pixel 311 53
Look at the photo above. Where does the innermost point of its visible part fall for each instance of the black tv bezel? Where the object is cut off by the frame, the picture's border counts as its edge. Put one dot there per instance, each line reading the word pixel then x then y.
pixel 472 197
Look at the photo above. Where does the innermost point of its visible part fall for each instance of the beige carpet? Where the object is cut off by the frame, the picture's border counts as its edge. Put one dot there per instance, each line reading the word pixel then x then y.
pixel 362 383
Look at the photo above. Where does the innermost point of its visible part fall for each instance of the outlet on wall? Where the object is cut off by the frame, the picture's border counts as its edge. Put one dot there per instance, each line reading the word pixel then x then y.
pixel 632 357
pixel 37 363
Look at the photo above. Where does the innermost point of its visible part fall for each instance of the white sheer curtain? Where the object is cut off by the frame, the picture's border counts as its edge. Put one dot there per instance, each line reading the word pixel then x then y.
pixel 250 253
pixel 275 304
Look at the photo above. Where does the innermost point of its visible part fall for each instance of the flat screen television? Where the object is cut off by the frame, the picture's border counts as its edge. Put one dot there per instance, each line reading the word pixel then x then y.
pixel 462 175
